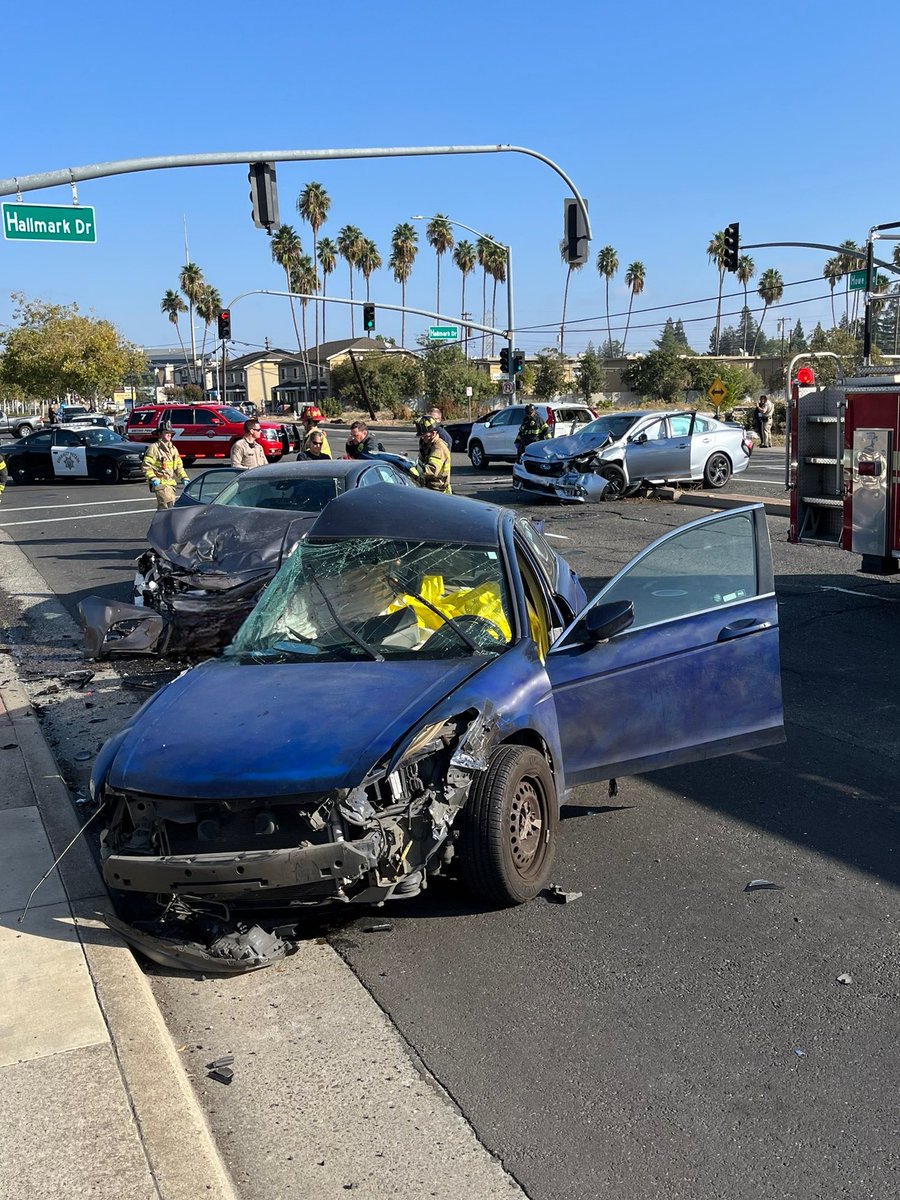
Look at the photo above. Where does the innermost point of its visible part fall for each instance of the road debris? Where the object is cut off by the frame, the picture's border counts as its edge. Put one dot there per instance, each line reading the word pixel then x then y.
pixel 845 978
pixel 800 1052
pixel 83 756
pixel 221 1074
pixel 78 679
pixel 559 896
pixel 763 885
pixel 225 1060
pixel 381 927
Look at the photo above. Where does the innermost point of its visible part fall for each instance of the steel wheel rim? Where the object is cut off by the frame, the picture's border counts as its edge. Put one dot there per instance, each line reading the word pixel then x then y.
pixel 526 827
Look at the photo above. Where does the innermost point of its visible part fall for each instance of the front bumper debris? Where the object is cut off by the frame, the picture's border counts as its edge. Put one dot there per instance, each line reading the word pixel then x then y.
pixel 570 485
pixel 111 627
pixel 229 951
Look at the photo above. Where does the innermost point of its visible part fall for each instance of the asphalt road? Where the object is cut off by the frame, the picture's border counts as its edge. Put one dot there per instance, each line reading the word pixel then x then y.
pixel 670 1034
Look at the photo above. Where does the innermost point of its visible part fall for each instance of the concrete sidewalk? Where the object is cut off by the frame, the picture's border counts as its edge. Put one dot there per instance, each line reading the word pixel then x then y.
pixel 94 1100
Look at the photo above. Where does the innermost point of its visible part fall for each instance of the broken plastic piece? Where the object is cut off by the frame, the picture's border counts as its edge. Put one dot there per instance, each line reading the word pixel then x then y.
pixel 613 789
pixel 557 894
pixel 222 1074
pixel 83 756
pixel 78 679
pixel 763 885
pixel 845 978
pixel 225 1061
pixel 381 927
pixel 800 1052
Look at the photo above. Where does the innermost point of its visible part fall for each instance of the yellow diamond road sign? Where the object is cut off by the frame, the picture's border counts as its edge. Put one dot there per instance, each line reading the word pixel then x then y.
pixel 716 391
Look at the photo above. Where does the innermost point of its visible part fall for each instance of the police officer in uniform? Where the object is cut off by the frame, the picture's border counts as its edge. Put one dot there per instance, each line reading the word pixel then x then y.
pixel 532 429
pixel 163 467
pixel 433 467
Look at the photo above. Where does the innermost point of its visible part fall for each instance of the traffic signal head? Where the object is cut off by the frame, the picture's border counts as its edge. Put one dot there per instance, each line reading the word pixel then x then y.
pixel 731 246
pixel 224 325
pixel 368 316
pixel 518 362
pixel 504 360
pixel 575 239
pixel 264 196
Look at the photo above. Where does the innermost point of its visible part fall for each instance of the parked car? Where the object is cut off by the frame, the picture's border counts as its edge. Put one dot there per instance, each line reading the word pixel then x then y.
pixel 86 421
pixel 495 437
pixel 627 449
pixel 208 430
pixel 209 559
pixel 56 453
pixel 413 695
pixel 19 426
pixel 461 430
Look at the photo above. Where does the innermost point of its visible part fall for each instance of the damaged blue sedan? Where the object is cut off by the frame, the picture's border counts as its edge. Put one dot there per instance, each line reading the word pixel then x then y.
pixel 414 694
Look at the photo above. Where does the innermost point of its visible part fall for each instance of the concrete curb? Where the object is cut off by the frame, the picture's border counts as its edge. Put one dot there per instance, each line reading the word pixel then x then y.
pixel 774 507
pixel 180 1150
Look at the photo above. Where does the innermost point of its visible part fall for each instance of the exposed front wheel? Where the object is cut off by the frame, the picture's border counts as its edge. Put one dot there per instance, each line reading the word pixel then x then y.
pixel 509 828
pixel 717 471
pixel 477 456
pixel 616 484
pixel 20 473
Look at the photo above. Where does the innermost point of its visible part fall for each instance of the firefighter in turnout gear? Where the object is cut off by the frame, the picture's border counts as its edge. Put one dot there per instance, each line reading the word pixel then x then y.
pixel 4 475
pixel 163 468
pixel 433 467
pixel 532 429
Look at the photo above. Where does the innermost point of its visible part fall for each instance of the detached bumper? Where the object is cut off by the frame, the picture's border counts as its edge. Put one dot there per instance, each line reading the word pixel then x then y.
pixel 571 485
pixel 114 628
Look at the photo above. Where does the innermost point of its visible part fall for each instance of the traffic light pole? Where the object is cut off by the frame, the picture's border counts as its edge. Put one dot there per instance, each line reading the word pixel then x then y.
pixel 510 320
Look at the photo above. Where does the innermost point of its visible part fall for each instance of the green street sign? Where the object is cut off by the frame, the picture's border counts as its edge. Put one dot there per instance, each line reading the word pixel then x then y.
pixel 443 333
pixel 48 223
pixel 858 280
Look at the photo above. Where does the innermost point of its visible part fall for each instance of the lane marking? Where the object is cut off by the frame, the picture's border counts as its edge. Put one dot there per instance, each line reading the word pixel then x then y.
pixel 865 595
pixel 87 517
pixel 82 504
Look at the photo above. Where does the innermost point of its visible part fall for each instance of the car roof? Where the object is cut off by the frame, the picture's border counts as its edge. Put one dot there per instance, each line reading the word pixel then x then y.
pixel 332 468
pixel 385 511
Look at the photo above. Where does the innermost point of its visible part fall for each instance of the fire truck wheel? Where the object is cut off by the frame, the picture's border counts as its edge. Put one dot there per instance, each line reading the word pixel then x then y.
pixel 717 471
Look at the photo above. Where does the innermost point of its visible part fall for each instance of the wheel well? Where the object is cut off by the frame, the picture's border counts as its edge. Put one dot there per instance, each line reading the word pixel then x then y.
pixel 532 739
pixel 724 454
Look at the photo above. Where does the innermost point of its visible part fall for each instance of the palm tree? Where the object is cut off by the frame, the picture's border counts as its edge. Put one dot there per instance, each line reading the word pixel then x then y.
pixel 439 236
pixel 634 281
pixel 190 280
pixel 286 250
pixel 607 265
pixel 313 204
pixel 563 253
pixel 173 305
pixel 715 252
pixel 746 269
pixel 208 304
pixel 833 273
pixel 404 247
pixel 327 258
pixel 304 280
pixel 369 261
pixel 483 253
pixel 849 258
pixel 465 258
pixel 771 289
pixel 497 271
pixel 349 242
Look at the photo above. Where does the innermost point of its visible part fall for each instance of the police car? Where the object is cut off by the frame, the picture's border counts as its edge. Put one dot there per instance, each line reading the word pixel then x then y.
pixel 92 453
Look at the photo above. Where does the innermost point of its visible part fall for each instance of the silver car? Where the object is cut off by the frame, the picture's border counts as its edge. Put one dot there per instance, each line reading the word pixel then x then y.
pixel 618 452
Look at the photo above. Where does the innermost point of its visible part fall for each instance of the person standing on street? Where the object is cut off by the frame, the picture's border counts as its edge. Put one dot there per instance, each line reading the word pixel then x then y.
pixel 360 443
pixel 532 429
pixel 4 475
pixel 163 467
pixel 764 420
pixel 246 452
pixel 311 418
pixel 438 417
pixel 433 467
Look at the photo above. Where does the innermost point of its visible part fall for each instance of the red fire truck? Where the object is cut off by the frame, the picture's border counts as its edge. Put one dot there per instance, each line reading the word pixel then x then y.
pixel 842 459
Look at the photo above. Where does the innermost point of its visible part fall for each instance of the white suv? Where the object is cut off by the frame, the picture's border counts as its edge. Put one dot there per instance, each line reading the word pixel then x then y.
pixel 496 437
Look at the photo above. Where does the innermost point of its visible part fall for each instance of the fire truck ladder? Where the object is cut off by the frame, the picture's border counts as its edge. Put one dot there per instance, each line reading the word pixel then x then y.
pixel 814 459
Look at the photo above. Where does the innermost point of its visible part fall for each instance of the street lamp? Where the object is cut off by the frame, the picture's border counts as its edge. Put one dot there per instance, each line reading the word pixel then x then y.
pixel 507 250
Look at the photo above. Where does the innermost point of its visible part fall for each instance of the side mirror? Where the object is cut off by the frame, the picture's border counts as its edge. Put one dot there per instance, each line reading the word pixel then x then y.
pixel 604 621
pixel 639 439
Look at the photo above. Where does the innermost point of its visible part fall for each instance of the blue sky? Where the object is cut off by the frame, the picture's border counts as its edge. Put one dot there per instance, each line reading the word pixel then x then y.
pixel 672 120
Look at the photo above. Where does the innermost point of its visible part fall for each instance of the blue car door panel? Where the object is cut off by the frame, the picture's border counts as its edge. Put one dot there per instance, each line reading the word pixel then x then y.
pixel 697 673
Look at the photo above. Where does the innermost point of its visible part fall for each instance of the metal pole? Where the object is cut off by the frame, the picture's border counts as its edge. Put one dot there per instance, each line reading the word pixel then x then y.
pixel 817 246
pixel 510 319
pixel 867 321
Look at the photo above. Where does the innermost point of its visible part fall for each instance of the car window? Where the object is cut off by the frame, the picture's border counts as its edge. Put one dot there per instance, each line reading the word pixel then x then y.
pixel 147 417
pixel 39 441
pixel 69 437
pixel 207 486
pixel 701 425
pixel 581 416
pixel 389 475
pixel 180 416
pixel 101 437
pixel 654 431
pixel 540 624
pixel 368 478
pixel 692 571
pixel 301 494
pixel 203 416
pixel 234 415
pixel 546 558
pixel 504 417
pixel 680 426
pixel 613 425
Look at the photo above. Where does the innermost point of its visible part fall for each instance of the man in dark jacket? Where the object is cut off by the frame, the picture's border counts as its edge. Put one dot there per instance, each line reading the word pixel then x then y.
pixel 315 449
pixel 360 443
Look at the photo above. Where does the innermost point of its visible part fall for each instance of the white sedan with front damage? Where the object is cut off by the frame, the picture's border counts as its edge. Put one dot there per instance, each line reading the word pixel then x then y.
pixel 617 453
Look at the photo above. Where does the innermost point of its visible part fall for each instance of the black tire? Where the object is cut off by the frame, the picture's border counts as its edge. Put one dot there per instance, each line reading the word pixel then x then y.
pixel 20 473
pixel 509 828
pixel 477 457
pixel 108 470
pixel 717 471
pixel 616 484
pixel 23 430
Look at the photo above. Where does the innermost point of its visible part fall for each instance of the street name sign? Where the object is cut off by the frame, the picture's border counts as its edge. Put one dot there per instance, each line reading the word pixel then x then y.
pixel 48 222
pixel 716 391
pixel 443 333
pixel 858 280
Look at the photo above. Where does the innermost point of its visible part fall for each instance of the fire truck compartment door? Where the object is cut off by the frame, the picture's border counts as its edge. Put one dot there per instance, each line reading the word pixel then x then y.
pixel 871 491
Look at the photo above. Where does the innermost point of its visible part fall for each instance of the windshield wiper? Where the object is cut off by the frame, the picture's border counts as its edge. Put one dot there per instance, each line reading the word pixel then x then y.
pixel 405 591
pixel 354 637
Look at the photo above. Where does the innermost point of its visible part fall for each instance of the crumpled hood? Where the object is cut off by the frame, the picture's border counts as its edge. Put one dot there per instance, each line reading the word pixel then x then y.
pixel 233 541
pixel 574 445
pixel 232 730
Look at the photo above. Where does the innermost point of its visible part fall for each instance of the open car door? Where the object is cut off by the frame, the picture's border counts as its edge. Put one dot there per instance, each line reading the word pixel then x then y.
pixel 695 673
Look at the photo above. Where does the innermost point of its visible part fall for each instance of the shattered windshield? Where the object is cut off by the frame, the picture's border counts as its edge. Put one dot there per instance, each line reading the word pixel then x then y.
pixel 302 494
pixel 614 425
pixel 380 598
